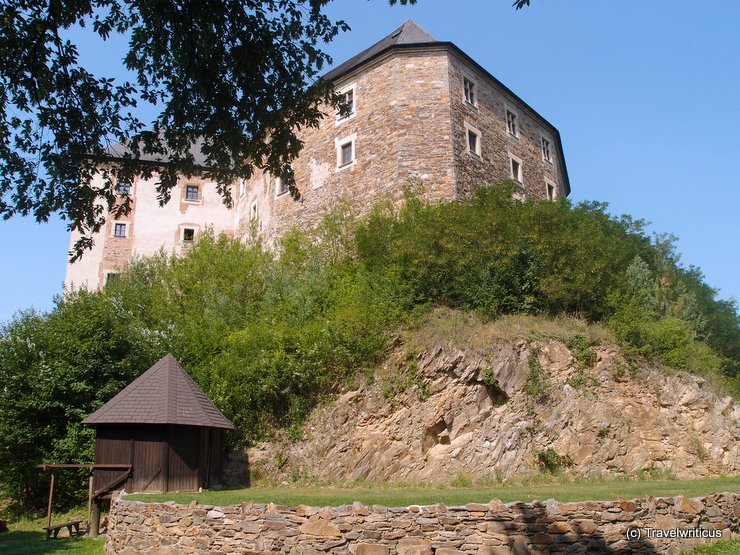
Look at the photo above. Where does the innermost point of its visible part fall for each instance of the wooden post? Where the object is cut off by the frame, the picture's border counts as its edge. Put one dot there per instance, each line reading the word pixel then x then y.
pixel 89 497
pixel 48 510
pixel 95 523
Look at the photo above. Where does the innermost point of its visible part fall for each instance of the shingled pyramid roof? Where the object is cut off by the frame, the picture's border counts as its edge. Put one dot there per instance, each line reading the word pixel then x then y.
pixel 407 34
pixel 164 394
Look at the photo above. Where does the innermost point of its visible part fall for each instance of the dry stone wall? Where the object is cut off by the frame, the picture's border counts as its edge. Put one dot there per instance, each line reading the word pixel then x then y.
pixel 478 528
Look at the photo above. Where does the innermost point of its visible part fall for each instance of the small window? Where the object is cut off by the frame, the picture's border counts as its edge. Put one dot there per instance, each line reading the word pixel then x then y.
pixel 119 230
pixel 473 142
pixel 516 168
pixel 346 155
pixel 345 151
pixel 111 277
pixel 348 104
pixel 123 188
pixel 253 211
pixel 472 139
pixel 192 192
pixel 470 91
pixel 512 124
pixel 546 152
pixel 188 235
pixel 281 187
pixel 242 188
pixel 551 190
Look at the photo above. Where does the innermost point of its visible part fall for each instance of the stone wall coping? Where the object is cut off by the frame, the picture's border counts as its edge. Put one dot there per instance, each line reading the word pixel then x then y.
pixel 550 505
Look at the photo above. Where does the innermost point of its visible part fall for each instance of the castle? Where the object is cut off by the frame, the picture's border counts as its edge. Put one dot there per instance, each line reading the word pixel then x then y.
pixel 419 109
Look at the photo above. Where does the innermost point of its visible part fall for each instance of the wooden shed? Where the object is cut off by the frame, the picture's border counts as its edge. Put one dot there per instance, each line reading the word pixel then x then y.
pixel 165 427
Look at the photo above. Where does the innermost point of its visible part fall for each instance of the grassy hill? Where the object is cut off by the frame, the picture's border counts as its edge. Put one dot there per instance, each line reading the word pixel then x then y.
pixel 268 334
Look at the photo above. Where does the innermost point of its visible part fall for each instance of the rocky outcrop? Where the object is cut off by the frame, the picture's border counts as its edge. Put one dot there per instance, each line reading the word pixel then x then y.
pixel 508 410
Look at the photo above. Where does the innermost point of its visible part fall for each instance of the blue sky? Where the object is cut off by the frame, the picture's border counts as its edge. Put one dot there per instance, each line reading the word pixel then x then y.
pixel 646 96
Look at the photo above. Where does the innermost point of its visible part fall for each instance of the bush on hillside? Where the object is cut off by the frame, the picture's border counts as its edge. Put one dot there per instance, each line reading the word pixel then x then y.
pixel 267 336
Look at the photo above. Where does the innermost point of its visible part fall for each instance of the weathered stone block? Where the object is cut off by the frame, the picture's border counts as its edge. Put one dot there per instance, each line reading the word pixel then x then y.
pixel 320 528
pixel 414 546
pixel 372 549
pixel 559 528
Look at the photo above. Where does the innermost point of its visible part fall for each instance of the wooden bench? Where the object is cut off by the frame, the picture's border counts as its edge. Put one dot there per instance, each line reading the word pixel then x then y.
pixel 73 526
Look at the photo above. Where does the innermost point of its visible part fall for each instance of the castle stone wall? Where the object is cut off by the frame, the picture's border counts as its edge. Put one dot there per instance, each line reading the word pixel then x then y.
pixel 489 117
pixel 402 130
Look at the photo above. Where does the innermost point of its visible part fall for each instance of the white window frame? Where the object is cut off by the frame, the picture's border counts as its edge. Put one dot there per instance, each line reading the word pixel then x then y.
pixel 242 188
pixel 278 185
pixel 200 193
pixel 195 235
pixel 555 190
pixel 518 160
pixel 254 211
pixel 476 89
pixel 339 143
pixel 475 131
pixel 343 91
pixel 543 139
pixel 130 189
pixel 517 121
pixel 126 229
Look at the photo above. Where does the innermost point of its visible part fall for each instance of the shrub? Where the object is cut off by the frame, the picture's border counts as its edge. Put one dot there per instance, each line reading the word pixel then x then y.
pixel 550 461
pixel 538 382
pixel 268 336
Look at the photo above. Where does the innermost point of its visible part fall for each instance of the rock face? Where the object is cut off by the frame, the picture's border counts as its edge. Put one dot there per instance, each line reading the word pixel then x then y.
pixel 493 413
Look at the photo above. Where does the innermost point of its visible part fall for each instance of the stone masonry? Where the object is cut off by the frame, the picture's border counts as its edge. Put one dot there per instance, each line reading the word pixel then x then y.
pixel 415 100
pixel 409 125
pixel 493 528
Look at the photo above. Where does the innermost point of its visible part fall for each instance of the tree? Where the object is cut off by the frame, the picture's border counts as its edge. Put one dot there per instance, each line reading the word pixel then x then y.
pixel 235 80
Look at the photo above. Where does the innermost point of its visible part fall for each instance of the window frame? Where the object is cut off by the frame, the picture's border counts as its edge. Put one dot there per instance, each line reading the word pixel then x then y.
pixel 187 198
pixel 512 160
pixel 185 239
pixel 555 190
pixel 474 82
pixel 351 88
pixel 279 184
pixel 339 144
pixel 516 122
pixel 479 139
pixel 128 193
pixel 254 211
pixel 545 139
pixel 114 230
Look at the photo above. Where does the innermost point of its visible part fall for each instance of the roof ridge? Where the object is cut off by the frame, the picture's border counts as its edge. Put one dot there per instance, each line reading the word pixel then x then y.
pixel 408 33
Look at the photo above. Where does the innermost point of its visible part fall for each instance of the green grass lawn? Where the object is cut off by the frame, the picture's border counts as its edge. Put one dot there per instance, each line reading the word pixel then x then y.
pixel 722 547
pixel 403 496
pixel 27 536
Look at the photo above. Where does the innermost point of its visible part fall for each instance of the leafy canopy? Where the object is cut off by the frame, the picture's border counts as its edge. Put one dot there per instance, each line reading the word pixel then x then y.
pixel 232 79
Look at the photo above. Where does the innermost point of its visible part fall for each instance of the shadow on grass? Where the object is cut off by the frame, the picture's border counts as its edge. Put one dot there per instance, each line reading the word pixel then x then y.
pixel 20 542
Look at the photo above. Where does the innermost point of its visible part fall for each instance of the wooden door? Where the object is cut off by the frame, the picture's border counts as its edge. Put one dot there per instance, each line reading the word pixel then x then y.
pixel 183 458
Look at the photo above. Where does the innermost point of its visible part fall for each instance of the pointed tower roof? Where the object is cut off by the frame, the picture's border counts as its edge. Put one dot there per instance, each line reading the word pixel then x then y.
pixel 164 394
pixel 407 34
